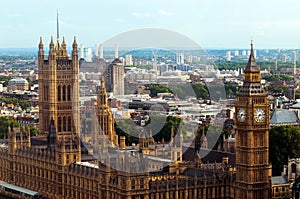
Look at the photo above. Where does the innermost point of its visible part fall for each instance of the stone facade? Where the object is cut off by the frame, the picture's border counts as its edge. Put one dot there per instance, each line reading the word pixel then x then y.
pixel 56 166
pixel 253 170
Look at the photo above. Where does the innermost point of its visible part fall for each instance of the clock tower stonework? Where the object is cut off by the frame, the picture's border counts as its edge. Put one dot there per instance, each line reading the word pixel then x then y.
pixel 253 171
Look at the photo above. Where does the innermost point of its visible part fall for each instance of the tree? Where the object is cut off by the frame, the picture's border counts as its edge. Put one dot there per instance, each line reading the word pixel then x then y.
pixel 284 144
pixel 33 131
pixel 159 125
pixel 279 89
pixel 154 89
pixel 15 101
pixel 5 122
pixel 201 90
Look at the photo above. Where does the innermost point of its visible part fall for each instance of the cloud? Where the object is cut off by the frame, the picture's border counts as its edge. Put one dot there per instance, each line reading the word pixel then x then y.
pixel 141 15
pixel 159 13
pixel 164 13
pixel 15 15
pixel 118 20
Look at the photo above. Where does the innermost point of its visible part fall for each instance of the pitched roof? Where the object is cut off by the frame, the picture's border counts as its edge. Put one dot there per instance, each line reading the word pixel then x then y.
pixel 279 180
pixel 252 65
pixel 284 116
pixel 297 105
pixel 208 155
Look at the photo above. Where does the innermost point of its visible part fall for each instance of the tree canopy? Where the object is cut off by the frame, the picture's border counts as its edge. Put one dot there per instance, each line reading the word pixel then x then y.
pixel 15 101
pixel 284 144
pixel 159 125
pixel 282 77
pixel 4 123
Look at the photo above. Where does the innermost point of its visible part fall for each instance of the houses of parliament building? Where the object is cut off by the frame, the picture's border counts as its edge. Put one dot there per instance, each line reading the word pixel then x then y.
pixel 56 164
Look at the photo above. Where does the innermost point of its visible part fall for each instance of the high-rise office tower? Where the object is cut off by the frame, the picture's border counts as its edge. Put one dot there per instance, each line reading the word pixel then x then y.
pixel 179 58
pixel 81 55
pixel 128 60
pixel 96 51
pixel 114 77
pixel 228 56
pixel 101 51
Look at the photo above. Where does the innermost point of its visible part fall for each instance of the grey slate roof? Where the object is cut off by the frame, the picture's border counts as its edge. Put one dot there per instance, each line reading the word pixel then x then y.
pixel 284 116
pixel 297 105
pixel 279 180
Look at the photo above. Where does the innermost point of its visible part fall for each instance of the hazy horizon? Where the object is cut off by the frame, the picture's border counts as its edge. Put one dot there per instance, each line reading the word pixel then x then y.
pixel 211 24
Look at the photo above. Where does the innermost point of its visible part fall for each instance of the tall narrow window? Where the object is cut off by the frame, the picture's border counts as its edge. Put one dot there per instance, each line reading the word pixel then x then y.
pixel 64 93
pixel 59 93
pixel 59 124
pixel 44 93
pixel 69 123
pixel 65 124
pixel 47 93
pixel 69 93
pixel 294 169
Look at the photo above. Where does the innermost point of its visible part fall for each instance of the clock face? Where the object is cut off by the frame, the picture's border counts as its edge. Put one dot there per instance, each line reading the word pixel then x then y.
pixel 259 115
pixel 241 115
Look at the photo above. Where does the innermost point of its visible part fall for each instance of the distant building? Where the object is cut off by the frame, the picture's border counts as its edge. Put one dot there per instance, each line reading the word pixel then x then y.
pixel 236 53
pixel 281 117
pixel 95 66
pixel 17 84
pixel 128 60
pixel 96 51
pixel 180 58
pixel 101 51
pixel 114 77
pixel 283 58
pixel 85 53
pixel 228 56
pixel 244 53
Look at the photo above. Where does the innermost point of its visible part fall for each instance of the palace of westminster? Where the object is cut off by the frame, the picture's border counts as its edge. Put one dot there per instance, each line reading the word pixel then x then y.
pixel 55 164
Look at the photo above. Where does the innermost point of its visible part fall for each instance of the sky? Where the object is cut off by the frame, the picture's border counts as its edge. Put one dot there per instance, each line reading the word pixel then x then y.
pixel 210 23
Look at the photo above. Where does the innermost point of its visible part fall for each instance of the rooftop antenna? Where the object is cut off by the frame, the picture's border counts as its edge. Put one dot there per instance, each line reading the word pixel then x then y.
pixel 57 25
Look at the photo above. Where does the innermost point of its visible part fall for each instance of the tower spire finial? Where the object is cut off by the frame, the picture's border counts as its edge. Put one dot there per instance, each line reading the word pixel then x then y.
pixel 57 21
pixel 251 44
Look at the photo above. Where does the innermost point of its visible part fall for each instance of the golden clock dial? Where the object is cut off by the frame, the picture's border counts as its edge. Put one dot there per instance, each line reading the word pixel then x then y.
pixel 259 115
pixel 241 115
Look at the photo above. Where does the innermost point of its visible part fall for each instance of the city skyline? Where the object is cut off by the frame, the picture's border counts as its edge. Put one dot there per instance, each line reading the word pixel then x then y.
pixel 216 24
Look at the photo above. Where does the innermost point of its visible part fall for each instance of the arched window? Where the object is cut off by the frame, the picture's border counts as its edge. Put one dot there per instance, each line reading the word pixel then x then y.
pixel 132 184
pixel 65 124
pixel 293 168
pixel 69 123
pixel 69 93
pixel 142 183
pixel 45 93
pixel 64 93
pixel 59 124
pixel 58 93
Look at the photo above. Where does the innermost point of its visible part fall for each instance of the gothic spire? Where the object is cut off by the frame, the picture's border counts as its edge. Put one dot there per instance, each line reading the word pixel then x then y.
pixel 57 21
pixel 41 45
pixel 252 65
pixel 75 45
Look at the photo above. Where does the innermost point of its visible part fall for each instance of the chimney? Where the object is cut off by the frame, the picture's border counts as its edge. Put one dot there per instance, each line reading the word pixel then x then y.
pixel 101 51
pixel 116 51
pixel 122 142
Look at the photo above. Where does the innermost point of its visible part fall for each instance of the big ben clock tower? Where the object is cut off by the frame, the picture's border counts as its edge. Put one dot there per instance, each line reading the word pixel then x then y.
pixel 253 171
